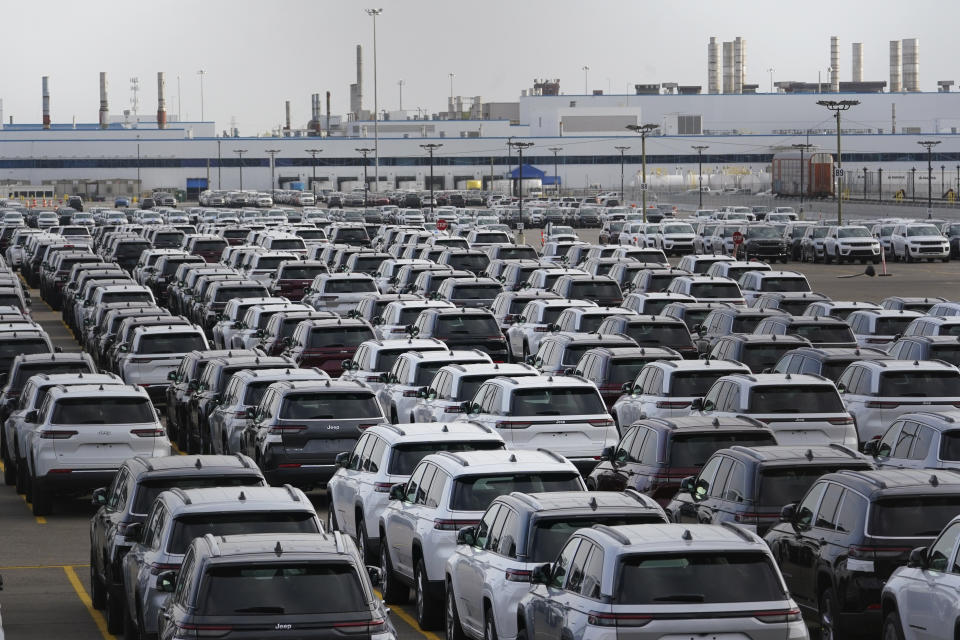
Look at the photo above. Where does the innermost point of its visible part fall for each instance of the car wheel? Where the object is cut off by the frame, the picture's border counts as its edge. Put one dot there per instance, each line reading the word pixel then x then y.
pixel 130 629
pixel 428 612
pixel 828 609
pixel 22 480
pixel 947 259
pixel 363 542
pixel 453 629
pixel 489 624
pixel 41 499
pixel 521 633
pixel 876 261
pixel 98 595
pixel 827 258
pixel 394 591
pixel 892 630
pixel 115 612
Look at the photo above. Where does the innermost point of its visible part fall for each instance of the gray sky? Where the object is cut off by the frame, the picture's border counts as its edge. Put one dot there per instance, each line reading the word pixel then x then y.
pixel 259 53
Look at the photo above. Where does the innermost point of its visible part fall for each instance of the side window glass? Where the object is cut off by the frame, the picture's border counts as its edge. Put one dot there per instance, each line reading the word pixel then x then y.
pixel 562 564
pixel 509 535
pixel 827 515
pixel 716 488
pixel 357 454
pixel 376 456
pixel 483 529
pixel 636 447
pixel 575 576
pixel 705 479
pixel 922 442
pixel 623 449
pixel 414 483
pixel 853 511
pixel 424 487
pixel 496 529
pixel 735 489
pixel 592 573
pixel 119 481
pixel 809 505
pixel 648 454
pixel 845 379
pixel 641 382
pixel 942 550
pixel 889 440
pixel 180 592
pixel 783 366
pixel 905 440
pixel 710 400
pixel 437 486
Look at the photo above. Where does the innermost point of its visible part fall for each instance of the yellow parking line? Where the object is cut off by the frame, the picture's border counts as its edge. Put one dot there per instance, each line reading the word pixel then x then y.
pixel 39 519
pixel 98 618
pixel 41 566
pixel 177 449
pixel 410 620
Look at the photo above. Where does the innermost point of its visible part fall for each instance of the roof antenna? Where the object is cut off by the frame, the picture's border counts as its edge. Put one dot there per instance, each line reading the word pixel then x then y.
pixel 687 535
pixel 198 465
pixel 593 502
pixel 809 454
pixel 934 481
pixel 513 457
pixel 243 496
pixel 278 549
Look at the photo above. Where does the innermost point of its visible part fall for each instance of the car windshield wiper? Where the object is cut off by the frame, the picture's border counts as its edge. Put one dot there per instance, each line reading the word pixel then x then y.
pixel 681 597
pixel 275 610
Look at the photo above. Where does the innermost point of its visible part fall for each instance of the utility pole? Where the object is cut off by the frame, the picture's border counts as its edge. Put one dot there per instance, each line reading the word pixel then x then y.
pixel 373 13
pixel 586 71
pixel 520 146
pixel 313 153
pixel 556 181
pixel 643 130
pixel 240 153
pixel 273 163
pixel 929 145
pixel 400 84
pixel 430 148
pixel 219 166
pixel 700 148
pixel 838 106
pixel 364 151
pixel 802 147
pixel 621 149
pixel 201 73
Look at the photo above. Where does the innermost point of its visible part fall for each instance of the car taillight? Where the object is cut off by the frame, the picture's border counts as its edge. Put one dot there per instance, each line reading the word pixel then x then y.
pixel 281 429
pixel 870 552
pixel 157 567
pixel 289 465
pixel 443 524
pixel 382 487
pixel 772 617
pixel 61 434
pixel 840 421
pixel 365 626
pixel 148 433
pixel 510 424
pixel 540 329
pixel 751 516
pixel 398 330
pixel 201 630
pixel 453 409
pixel 601 619
pixel 601 423
pixel 517 575
pixel 881 404
pixel 665 404
pixel 410 394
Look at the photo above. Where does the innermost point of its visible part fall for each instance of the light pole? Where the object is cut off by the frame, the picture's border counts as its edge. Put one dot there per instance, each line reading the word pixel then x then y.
pixel 452 112
pixel 643 130
pixel 770 71
pixel 313 153
pixel 430 148
pixel 586 71
pixel 509 161
pixel 201 73
pixel 929 145
pixel 139 187
pixel 240 153
pixel 556 181
pixel 400 84
pixel 864 184
pixel 365 151
pixel 802 147
pixel 219 166
pixel 373 13
pixel 273 163
pixel 621 149
pixel 520 146
pixel 838 106
pixel 700 148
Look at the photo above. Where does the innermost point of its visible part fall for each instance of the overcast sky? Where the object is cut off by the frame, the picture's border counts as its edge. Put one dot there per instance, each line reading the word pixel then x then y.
pixel 259 53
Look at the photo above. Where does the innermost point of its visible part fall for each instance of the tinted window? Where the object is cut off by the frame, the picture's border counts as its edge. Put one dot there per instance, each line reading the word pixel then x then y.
pixel 745 324
pixel 590 290
pixel 404 458
pixel 326 337
pixel 555 401
pixel 892 326
pixel 693 450
pixel 795 399
pixel 624 370
pixel 186 528
pixel 27 370
pixel 659 334
pixel 466 324
pixel 301 273
pixel 950 445
pixel 785 284
pixel 920 384
pixel 225 294
pixel 350 286
pixel 694 383
pixel 475 493
pixel 78 411
pixel 715 290
pixel 817 333
pixel 326 406
pixel 912 516
pixel 170 343
pixel 476 291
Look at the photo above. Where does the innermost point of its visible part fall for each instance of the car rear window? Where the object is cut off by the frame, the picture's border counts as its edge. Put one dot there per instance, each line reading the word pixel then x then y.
pixel 920 384
pixel 186 528
pixel 330 406
pixel 26 370
pixel 212 245
pixel 405 457
pixel 475 263
pixel 550 534
pixel 781 486
pixel 170 343
pixel 270 262
pixel 287 588
pixel 763 356
pixel 795 307
pixel 475 493
pixel 301 273
pixel 715 290
pixel 556 401
pixel 697 578
pixel 694 449
pixel 912 516
pixel 225 294
pixel 12 348
pixel 148 491
pixel 517 253
pixel 695 384
pixel 351 285
pixel 287 245
pixel 819 333
pixel 590 290
pixel 480 325
pixel 125 296
pixel 329 337
pixel 367 264
pixel 892 326
pixel 352 235
pixel 659 334
pixel 779 285
pixel 795 399
pixel 946 352
pixel 77 411
pixel 476 291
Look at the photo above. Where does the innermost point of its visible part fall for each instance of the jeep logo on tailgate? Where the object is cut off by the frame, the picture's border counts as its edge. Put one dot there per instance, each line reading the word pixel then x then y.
pixel 283 626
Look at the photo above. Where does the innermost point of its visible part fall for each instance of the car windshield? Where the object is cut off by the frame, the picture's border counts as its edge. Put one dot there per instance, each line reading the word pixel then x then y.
pixel 329 406
pixel 594 290
pixel 100 410
pixel 659 334
pixel 351 285
pixel 475 493
pixel 457 324
pixel 853 232
pixel 405 457
pixel 695 384
pixel 677 228
pixel 147 491
pixel 763 232
pixel 697 578
pixel 819 333
pixel 155 343
pixel 779 285
pixel 287 589
pixel 912 516
pixel 784 485
pixel 715 290
pixel 923 230
pixel 692 450
pixel 557 401
pixel 334 337
pixel 795 399
pixel 551 534
pixel 920 384
pixel 186 528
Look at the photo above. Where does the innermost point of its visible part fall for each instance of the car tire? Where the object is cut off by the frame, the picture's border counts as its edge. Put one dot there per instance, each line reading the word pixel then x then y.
pixel 98 594
pixel 489 624
pixel 41 500
pixel 131 631
pixel 892 629
pixel 115 613
pixel 394 591
pixel 828 609
pixel 363 541
pixel 521 633
pixel 827 258
pixel 876 261
pixel 454 631
pixel 22 480
pixel 428 610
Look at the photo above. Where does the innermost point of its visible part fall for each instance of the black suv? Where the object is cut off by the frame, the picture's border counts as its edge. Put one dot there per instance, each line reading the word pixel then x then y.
pixel 750 485
pixel 765 242
pixel 946 348
pixel 128 499
pixel 757 351
pixel 828 362
pixel 600 289
pixel 655 454
pixel 463 329
pixel 838 546
pixel 652 331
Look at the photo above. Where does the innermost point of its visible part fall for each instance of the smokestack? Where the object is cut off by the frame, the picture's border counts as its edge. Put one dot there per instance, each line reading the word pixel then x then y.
pixel 328 114
pixel 161 101
pixel 46 102
pixel 834 64
pixel 356 90
pixel 713 66
pixel 287 128
pixel 896 61
pixel 103 100
pixel 728 67
pixel 857 62
pixel 911 64
pixel 737 65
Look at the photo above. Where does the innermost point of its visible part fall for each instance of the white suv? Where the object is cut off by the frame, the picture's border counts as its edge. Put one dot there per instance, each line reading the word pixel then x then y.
pixel 798 408
pixel 154 353
pixel 400 314
pixel 375 357
pixel 446 492
pixel 878 392
pixel 849 243
pixel 384 456
pixel 455 384
pixel 564 414
pixel 523 338
pixel 918 241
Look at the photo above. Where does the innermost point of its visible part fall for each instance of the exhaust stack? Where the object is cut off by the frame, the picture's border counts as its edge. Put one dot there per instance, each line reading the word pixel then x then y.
pixel 161 101
pixel 328 114
pixel 287 128
pixel 46 102
pixel 834 64
pixel 103 100
pixel 857 62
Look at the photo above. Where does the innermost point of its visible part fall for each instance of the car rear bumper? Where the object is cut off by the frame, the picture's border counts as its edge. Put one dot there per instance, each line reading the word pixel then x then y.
pixel 77 481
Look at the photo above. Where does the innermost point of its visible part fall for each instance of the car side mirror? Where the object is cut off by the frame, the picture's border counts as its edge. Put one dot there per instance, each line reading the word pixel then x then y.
pixel 375 574
pixel 412 331
pixel 99 497
pixel 398 491
pixel 423 393
pixel 627 387
pixel 347 364
pixel 841 388
pixel 697 404
pixel 31 417
pixel 133 532
pixel 167 582
pixel 342 459
pixel 172 376
pixel 541 574
pixel 688 484
pixel 870 447
pixel 376 320
pixel 788 513
pixel 384 378
pixel 918 558
pixel 607 454
pixel 467 536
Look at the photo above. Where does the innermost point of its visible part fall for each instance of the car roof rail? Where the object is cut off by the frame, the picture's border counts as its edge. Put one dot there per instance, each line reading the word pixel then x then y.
pixel 453 456
pixel 214 545
pixel 555 456
pixel 292 492
pixel 845 449
pixel 480 425
pixel 738 530
pixel 613 533
pixel 180 493
pixel 146 461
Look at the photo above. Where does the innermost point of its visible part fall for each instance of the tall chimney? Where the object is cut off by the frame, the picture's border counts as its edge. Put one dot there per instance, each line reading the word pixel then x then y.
pixel 911 64
pixel 896 62
pixel 46 102
pixel 737 65
pixel 834 64
pixel 713 66
pixel 356 90
pixel 161 101
pixel 728 67
pixel 328 114
pixel 287 128
pixel 857 62
pixel 103 100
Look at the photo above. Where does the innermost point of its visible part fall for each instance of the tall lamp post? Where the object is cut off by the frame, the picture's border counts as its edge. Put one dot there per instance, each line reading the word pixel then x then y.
pixel 556 181
pixel 313 163
pixel 929 145
pixel 700 148
pixel 273 163
pixel 219 166
pixel 240 153
pixel 621 149
pixel 643 130
pixel 365 151
pixel 139 186
pixel 430 148
pixel 586 71
pixel 400 84
pixel 520 146
pixel 373 13
pixel 838 106
pixel 201 73
pixel 802 147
